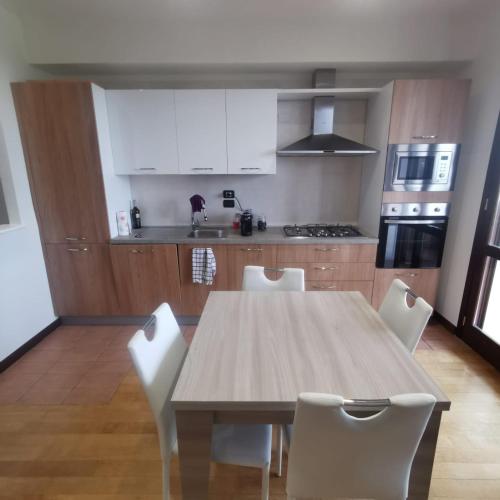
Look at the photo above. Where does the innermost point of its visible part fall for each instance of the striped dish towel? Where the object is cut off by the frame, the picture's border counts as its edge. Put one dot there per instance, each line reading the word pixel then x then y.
pixel 204 266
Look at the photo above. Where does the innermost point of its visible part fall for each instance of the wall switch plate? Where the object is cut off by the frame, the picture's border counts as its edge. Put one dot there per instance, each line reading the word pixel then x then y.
pixel 228 203
pixel 228 193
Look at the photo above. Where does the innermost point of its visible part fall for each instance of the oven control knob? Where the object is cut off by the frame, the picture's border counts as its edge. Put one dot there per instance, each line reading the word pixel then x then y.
pixel 415 209
pixel 437 209
pixel 394 209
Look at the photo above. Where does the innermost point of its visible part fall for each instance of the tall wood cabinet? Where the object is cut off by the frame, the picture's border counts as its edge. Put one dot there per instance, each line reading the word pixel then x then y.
pixel 58 130
pixel 59 136
pixel 428 111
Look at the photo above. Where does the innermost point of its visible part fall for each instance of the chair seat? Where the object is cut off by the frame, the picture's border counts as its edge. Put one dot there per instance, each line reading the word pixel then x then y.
pixel 245 445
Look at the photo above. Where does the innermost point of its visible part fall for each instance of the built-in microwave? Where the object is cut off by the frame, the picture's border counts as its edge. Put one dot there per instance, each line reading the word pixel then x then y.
pixel 421 167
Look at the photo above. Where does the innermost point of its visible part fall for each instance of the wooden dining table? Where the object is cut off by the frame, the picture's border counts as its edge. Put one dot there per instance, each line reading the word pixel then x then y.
pixel 254 352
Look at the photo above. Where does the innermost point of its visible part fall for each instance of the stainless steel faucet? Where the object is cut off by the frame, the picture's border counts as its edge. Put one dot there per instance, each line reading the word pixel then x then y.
pixel 197 205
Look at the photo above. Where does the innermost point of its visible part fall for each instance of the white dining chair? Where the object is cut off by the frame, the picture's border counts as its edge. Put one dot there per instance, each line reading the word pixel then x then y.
pixel 255 280
pixel 158 362
pixel 336 455
pixel 408 323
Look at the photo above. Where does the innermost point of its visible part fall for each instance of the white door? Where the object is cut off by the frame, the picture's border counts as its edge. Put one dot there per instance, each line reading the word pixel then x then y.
pixel 201 131
pixel 142 130
pixel 251 131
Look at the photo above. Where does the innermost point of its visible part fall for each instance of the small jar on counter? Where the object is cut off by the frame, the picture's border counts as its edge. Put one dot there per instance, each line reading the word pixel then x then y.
pixel 261 223
pixel 236 221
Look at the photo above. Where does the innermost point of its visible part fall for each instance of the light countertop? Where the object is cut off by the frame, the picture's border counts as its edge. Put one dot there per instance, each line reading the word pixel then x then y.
pixel 273 235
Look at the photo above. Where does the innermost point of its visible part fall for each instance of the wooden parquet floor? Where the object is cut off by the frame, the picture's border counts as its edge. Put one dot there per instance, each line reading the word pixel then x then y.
pixel 67 433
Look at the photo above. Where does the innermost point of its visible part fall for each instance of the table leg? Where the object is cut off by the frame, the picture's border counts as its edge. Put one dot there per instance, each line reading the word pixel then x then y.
pixel 421 470
pixel 194 437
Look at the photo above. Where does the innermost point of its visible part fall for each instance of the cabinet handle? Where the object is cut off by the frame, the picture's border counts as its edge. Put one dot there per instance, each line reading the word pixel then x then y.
pixel 334 249
pixel 410 275
pixel 145 168
pixel 75 238
pixel 425 137
pixel 324 268
pixel 251 249
pixel 136 251
pixel 77 249
pixel 249 168
pixel 324 287
pixel 202 168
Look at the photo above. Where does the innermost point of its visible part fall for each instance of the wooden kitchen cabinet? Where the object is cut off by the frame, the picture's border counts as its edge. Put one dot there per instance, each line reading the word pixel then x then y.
pixel 201 131
pixel 58 131
pixel 327 253
pixel 81 279
pixel 143 131
pixel 239 256
pixel 146 276
pixel 422 281
pixel 194 295
pixel 252 117
pixel 428 111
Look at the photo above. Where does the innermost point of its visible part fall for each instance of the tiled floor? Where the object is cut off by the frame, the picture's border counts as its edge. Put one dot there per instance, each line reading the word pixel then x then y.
pixel 73 365
pixel 99 442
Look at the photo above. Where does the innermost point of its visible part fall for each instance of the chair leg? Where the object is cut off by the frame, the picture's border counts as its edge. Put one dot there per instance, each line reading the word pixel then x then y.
pixel 280 450
pixel 265 481
pixel 166 480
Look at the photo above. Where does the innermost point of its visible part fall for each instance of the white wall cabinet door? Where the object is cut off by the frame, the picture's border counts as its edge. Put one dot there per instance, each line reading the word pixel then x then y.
pixel 251 131
pixel 143 131
pixel 201 131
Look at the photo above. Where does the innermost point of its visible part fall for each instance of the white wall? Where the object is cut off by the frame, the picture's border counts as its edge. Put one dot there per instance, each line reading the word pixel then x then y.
pixel 237 31
pixel 25 304
pixel 481 121
pixel 303 189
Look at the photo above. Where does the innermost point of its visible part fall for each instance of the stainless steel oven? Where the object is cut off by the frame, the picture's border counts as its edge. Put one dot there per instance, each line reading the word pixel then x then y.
pixel 421 167
pixel 412 235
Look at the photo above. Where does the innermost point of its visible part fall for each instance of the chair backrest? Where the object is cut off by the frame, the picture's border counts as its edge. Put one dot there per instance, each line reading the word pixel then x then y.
pixel 407 323
pixel 336 455
pixel 254 280
pixel 158 363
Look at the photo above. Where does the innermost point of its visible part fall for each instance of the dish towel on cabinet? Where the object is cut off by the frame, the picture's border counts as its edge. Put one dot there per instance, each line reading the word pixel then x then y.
pixel 204 266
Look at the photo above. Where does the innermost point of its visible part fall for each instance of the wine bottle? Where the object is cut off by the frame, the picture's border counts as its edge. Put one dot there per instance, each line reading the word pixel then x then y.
pixel 135 215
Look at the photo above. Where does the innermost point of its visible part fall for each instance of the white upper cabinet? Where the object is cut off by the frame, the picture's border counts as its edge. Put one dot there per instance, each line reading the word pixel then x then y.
pixel 251 131
pixel 142 130
pixel 201 131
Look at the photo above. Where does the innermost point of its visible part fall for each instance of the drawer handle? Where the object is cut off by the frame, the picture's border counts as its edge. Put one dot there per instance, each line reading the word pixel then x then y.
pixel 136 251
pixel 334 249
pixel 251 249
pixel 324 268
pixel 75 238
pixel 410 275
pixel 202 168
pixel 324 287
pixel 145 168
pixel 249 168
pixel 425 137
pixel 77 249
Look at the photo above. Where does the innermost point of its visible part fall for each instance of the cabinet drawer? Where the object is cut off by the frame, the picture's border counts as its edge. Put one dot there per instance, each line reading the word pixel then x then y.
pixel 365 287
pixel 327 253
pixel 424 282
pixel 356 271
pixel 239 256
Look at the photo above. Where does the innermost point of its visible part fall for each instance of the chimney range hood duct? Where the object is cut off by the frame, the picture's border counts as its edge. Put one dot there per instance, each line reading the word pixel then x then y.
pixel 323 142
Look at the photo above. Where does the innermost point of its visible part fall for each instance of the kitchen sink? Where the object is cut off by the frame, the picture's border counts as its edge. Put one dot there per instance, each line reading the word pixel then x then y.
pixel 208 233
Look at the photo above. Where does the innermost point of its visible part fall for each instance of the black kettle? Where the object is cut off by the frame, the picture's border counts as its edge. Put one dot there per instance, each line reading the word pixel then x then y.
pixel 246 223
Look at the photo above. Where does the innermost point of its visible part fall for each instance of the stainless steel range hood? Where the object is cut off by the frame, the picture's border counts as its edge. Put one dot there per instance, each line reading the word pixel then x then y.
pixel 323 142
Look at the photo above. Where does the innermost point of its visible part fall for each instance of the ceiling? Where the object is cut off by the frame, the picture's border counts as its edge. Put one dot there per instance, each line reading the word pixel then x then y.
pixel 253 33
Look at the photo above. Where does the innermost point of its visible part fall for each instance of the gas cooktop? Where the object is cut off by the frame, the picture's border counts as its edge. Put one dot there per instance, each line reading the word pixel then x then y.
pixel 321 231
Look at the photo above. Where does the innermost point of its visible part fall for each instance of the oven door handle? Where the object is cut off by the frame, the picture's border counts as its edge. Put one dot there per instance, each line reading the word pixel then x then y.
pixel 410 222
